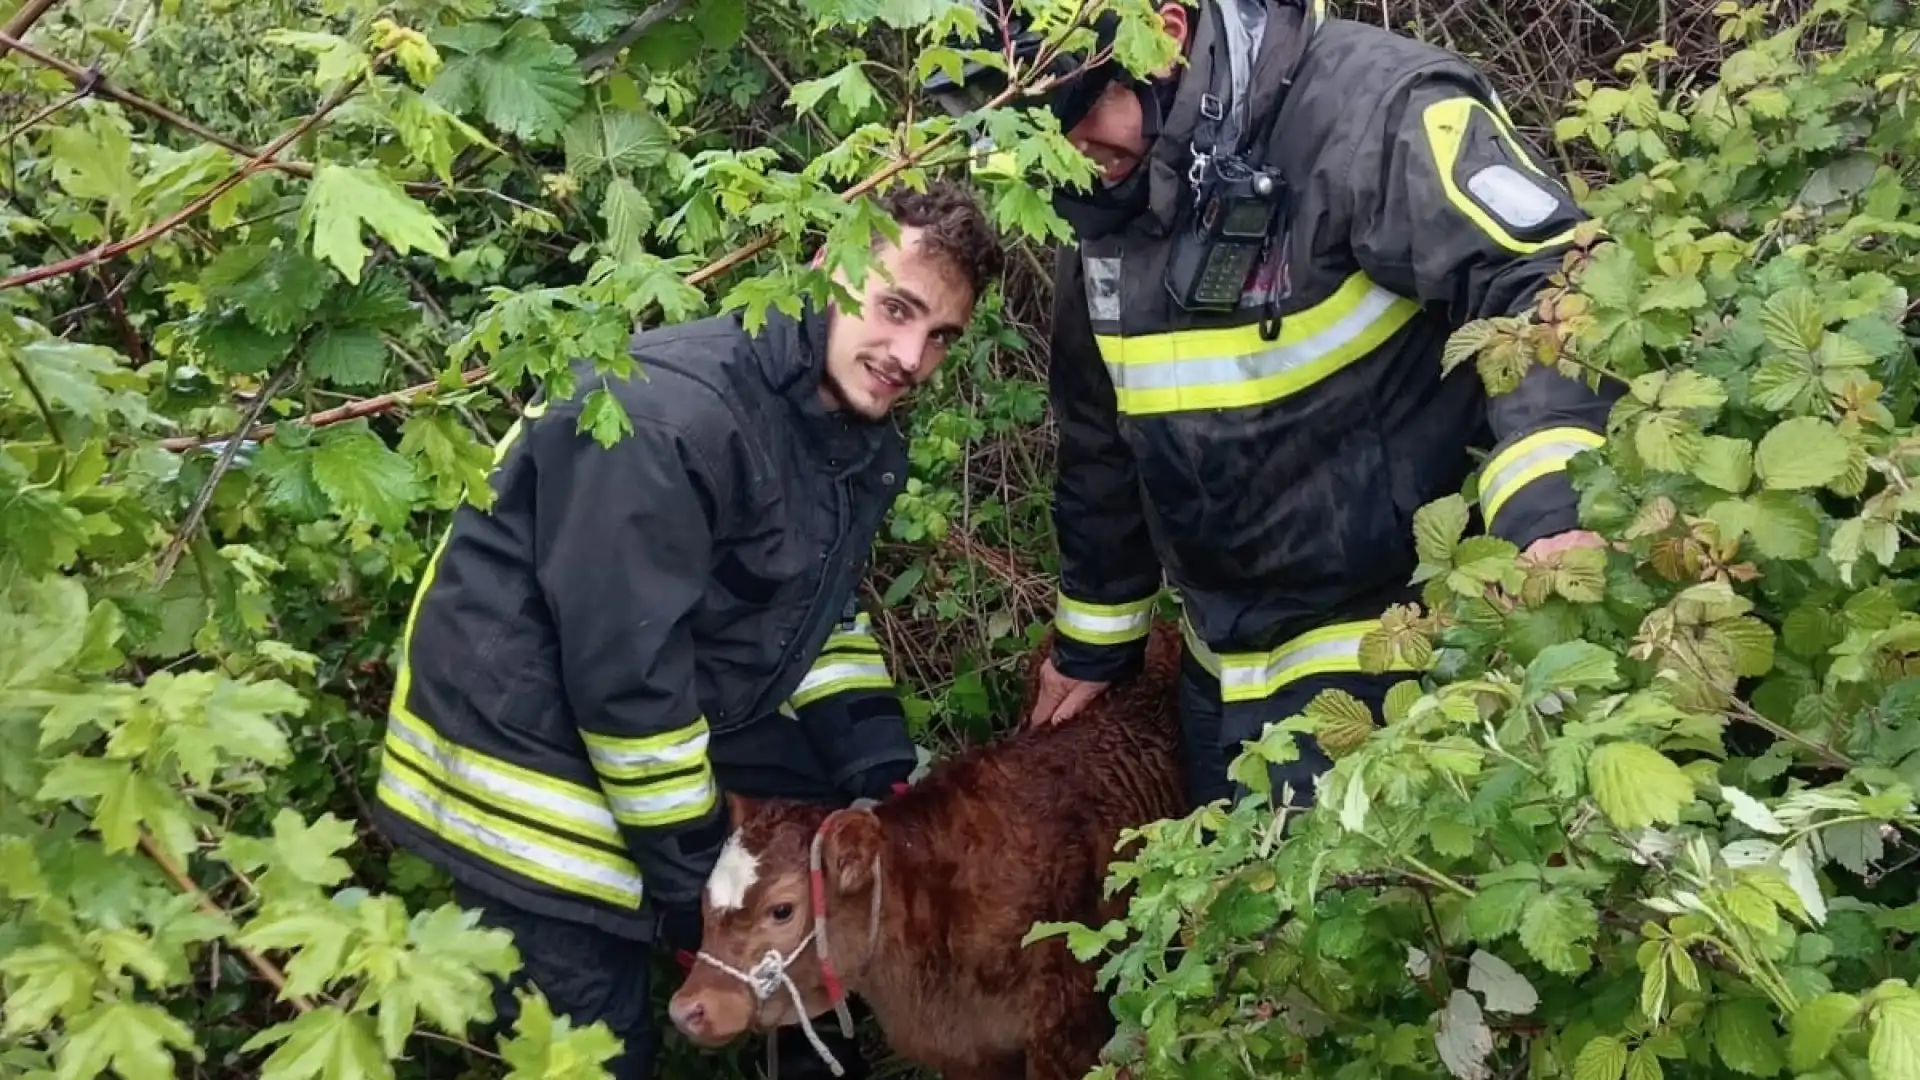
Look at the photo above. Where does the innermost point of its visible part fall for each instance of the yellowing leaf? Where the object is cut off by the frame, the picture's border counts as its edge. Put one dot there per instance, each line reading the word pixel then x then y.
pixel 1636 785
pixel 1602 1058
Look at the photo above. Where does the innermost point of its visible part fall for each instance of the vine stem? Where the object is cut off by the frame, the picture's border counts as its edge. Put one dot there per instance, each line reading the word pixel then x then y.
pixel 721 265
pixel 186 885
pixel 254 164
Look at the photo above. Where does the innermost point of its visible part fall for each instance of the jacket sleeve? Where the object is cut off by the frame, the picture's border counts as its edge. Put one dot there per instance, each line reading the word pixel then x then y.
pixel 621 609
pixel 851 713
pixel 1451 208
pixel 1109 574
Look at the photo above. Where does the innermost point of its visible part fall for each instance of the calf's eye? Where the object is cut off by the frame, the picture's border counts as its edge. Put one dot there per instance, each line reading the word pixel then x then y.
pixel 782 912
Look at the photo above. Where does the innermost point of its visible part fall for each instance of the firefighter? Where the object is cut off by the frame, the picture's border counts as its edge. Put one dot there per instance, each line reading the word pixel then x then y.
pixel 1246 354
pixel 629 633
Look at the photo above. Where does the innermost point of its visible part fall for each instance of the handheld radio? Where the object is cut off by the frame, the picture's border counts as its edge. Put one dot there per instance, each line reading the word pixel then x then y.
pixel 1235 215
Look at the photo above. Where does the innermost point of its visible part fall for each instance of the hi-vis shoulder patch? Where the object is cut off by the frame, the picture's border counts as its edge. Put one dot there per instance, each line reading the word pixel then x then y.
pixel 1518 200
pixel 1487 176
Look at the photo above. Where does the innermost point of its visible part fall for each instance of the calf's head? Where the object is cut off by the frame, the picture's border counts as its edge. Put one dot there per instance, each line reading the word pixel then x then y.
pixel 759 921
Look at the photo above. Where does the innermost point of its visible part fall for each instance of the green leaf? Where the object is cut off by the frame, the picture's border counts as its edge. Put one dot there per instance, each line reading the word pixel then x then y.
pixel 307 851
pixel 522 82
pixel 546 1047
pixel 352 356
pixel 47 981
pixel 1725 463
pixel 849 86
pixel 1569 665
pixel 1894 1053
pixel 1817 1025
pixel 130 1038
pixel 1602 1058
pixel 340 199
pixel 1803 452
pixel 627 215
pixel 1636 785
pixel 1744 1037
pixel 615 141
pixel 1437 528
pixel 1792 323
pixel 604 417
pixel 1555 930
pixel 326 1044
pixel 1341 721
pixel 365 479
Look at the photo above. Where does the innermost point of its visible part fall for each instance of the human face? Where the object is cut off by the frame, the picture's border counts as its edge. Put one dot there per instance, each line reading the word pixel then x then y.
pixel 916 304
pixel 1113 133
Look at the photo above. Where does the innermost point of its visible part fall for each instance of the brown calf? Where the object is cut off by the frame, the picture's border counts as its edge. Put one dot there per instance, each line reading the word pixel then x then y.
pixel 926 896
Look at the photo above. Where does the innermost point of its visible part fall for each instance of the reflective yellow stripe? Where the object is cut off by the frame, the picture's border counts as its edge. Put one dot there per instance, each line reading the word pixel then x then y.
pixel 617 758
pixel 1529 459
pixel 1234 367
pixel 1446 124
pixel 832 674
pixel 555 804
pixel 550 860
pixel 858 639
pixel 1253 676
pixel 671 801
pixel 1102 624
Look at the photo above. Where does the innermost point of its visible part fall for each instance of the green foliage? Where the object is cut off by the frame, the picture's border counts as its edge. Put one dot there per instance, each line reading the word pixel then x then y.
pixel 1649 811
pixel 228 445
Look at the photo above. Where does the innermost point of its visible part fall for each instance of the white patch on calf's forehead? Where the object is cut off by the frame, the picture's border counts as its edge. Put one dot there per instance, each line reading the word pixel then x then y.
pixel 734 873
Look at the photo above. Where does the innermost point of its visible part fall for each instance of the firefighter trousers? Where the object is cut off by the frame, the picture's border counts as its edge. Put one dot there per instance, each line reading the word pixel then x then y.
pixel 587 974
pixel 1214 730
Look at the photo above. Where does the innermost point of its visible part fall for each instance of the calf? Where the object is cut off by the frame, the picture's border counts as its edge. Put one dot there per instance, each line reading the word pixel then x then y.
pixel 918 904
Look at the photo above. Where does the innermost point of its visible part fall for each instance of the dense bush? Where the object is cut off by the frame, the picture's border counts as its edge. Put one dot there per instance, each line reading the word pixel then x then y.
pixel 1650 810
pixel 276 275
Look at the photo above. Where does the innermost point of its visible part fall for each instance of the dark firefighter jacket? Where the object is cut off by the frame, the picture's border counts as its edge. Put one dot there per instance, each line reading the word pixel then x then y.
pixel 572 651
pixel 1274 482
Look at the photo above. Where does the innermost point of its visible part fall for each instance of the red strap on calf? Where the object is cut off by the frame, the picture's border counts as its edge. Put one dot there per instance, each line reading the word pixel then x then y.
pixel 828 976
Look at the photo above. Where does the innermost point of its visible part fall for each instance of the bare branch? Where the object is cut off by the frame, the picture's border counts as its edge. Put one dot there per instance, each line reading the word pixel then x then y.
pixel 629 34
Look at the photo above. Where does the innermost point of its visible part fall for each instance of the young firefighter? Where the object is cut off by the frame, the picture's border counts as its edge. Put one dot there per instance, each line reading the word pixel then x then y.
pixel 1246 354
pixel 631 631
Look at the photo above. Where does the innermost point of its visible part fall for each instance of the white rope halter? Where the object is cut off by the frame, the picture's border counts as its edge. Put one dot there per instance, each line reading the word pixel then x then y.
pixel 770 974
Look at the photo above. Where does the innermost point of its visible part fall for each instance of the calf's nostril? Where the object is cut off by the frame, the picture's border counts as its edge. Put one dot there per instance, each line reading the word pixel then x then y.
pixel 689 1016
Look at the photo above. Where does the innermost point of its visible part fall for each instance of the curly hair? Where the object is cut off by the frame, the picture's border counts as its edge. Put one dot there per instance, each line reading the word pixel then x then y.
pixel 952 226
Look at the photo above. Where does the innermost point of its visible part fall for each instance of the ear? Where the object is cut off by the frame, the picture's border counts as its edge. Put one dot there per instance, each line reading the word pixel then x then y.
pixel 1173 18
pixel 850 843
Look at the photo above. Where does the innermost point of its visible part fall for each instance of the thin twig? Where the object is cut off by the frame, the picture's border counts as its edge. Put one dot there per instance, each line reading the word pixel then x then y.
pixel 645 21
pixel 185 884
pixel 22 22
pixel 171 556
pixel 699 277
pixel 107 251
pixel 91 81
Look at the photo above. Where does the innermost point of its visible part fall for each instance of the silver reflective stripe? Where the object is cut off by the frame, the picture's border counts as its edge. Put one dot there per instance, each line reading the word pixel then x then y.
pixel 642 809
pixel 1237 678
pixel 841 671
pixel 448 821
pixel 610 761
pixel 1264 364
pixel 593 818
pixel 1103 287
pixel 1512 474
pixel 1075 618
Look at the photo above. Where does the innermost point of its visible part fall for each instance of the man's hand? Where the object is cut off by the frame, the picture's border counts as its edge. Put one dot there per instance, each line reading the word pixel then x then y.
pixel 1059 697
pixel 1566 541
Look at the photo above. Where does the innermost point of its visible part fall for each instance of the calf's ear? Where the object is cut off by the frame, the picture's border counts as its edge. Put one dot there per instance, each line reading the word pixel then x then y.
pixel 850 843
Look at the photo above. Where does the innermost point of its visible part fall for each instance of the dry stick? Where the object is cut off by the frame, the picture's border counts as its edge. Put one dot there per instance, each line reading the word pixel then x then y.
pixel 699 277
pixel 185 884
pixel 255 164
pixel 93 82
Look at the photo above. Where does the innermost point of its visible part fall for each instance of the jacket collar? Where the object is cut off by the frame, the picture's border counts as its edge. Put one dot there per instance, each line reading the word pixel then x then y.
pixel 792 355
